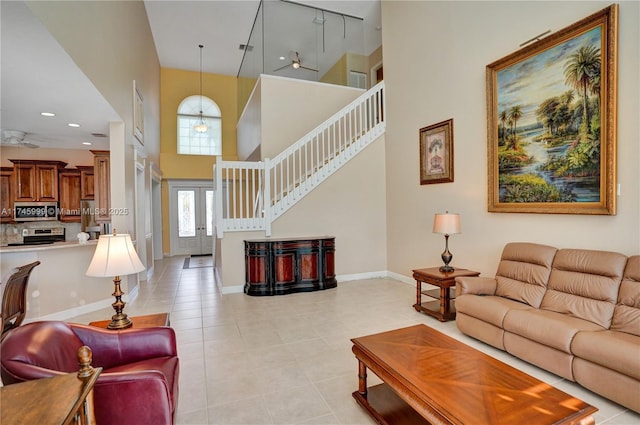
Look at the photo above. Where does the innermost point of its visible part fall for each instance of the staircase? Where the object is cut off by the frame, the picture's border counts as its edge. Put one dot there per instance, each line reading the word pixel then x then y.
pixel 249 196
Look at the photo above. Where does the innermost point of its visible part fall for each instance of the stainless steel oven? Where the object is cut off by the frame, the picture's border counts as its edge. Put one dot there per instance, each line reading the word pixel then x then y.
pixel 35 211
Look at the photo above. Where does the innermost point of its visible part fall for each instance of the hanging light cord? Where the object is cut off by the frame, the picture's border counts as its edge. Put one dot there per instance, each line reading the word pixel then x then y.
pixel 201 126
pixel 201 46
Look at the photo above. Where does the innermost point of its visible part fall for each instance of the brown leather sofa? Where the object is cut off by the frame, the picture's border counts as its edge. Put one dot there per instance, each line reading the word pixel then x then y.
pixel 139 381
pixel 573 312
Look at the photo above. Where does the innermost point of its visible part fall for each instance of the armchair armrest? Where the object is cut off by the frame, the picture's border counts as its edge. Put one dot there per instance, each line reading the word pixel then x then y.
pixel 113 348
pixel 143 397
pixel 475 285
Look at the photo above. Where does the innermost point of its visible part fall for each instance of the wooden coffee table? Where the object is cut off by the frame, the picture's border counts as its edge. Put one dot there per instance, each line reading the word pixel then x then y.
pixel 429 377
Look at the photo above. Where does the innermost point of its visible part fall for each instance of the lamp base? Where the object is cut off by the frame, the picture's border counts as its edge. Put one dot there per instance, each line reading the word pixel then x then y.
pixel 119 321
pixel 446 269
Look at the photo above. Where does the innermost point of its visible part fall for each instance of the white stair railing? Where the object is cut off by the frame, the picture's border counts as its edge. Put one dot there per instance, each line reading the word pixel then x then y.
pixel 254 194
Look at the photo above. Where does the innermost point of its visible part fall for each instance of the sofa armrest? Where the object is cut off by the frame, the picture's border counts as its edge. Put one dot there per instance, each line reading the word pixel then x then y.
pixel 475 285
pixel 114 348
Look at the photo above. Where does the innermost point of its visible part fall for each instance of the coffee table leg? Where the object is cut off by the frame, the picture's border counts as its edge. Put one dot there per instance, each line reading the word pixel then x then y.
pixel 362 379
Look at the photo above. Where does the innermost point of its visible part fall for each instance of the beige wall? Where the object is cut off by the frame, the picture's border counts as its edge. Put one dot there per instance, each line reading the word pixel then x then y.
pixel 349 205
pixel 73 157
pixel 450 44
pixel 292 108
pixel 111 42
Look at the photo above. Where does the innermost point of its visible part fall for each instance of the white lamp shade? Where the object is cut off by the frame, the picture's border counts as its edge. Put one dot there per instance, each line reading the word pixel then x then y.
pixel 448 224
pixel 114 256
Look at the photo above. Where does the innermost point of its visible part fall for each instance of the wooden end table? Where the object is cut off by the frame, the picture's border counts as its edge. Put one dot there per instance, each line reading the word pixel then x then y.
pixel 148 321
pixel 443 308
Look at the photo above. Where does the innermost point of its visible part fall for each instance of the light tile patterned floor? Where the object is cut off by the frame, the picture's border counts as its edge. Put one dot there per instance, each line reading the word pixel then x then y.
pixel 287 359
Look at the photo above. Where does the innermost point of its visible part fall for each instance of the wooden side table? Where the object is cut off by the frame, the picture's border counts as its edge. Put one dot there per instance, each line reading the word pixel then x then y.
pixel 443 307
pixel 148 321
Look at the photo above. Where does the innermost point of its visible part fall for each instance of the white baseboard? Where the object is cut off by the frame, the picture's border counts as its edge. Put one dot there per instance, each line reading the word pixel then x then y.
pixel 236 289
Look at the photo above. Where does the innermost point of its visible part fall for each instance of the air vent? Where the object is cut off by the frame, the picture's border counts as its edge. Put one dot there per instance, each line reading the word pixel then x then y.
pixel 98 135
pixel 246 47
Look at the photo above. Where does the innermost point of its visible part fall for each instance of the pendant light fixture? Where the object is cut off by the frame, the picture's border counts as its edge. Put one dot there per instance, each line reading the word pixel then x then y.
pixel 200 126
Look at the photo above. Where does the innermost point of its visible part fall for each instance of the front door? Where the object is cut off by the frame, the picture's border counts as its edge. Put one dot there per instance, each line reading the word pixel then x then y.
pixel 193 211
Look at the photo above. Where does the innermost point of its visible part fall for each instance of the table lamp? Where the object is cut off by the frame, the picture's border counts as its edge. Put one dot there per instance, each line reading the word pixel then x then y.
pixel 448 224
pixel 115 256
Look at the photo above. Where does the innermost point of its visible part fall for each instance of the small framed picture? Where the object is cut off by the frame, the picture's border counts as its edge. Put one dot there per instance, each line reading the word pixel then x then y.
pixel 436 153
pixel 138 114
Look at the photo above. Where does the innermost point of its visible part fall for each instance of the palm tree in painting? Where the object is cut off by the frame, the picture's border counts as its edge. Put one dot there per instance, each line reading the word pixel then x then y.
pixel 581 70
pixel 515 113
pixel 503 117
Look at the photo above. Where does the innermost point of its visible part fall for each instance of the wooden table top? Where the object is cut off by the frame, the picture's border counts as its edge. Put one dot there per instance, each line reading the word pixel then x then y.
pixel 148 321
pixel 46 401
pixel 464 385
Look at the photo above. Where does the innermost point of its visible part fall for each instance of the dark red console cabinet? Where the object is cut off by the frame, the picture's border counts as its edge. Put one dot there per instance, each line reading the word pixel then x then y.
pixel 285 265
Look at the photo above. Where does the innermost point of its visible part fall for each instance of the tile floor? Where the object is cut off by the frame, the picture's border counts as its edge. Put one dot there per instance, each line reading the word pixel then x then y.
pixel 287 359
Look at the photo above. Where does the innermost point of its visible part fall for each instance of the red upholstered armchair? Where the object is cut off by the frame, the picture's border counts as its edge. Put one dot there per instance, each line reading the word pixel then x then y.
pixel 139 381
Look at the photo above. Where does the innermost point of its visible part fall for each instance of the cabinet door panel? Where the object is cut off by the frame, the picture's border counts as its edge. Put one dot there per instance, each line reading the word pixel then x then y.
pixel 69 186
pixel 309 266
pixel 284 268
pixel 24 182
pixel 102 188
pixel 47 176
pixel 6 195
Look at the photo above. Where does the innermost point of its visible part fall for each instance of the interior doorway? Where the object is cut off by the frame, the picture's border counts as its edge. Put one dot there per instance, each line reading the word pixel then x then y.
pixel 192 218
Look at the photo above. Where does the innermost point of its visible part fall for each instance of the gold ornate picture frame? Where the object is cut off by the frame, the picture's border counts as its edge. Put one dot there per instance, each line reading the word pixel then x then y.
pixel 436 153
pixel 552 121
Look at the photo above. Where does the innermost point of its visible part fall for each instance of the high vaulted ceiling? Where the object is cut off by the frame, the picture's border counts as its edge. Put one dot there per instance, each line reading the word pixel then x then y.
pixel 177 26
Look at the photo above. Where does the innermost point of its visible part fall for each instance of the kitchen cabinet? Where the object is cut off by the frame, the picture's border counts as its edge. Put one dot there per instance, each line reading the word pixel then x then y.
pixel 69 190
pixel 102 186
pixel 36 180
pixel 87 182
pixel 6 194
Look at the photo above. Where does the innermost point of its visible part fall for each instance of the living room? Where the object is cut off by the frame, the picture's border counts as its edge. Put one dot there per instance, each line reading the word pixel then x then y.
pixel 435 56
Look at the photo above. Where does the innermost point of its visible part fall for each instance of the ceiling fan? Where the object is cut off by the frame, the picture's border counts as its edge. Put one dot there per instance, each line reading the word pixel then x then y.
pixel 296 63
pixel 15 138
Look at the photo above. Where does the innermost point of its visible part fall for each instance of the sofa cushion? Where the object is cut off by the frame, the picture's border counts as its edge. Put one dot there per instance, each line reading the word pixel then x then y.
pixel 490 309
pixel 626 315
pixel 523 272
pixel 618 351
pixel 584 284
pixel 547 327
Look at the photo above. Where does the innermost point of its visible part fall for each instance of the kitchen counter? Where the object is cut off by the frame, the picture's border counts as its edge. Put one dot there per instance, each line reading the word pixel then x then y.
pixel 4 249
pixel 59 287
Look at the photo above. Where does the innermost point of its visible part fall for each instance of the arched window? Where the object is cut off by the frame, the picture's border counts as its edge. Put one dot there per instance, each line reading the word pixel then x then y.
pixel 191 142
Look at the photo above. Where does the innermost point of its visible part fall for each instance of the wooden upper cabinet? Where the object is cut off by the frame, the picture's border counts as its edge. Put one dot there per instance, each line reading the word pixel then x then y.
pixel 6 194
pixel 102 186
pixel 24 182
pixel 87 182
pixel 69 189
pixel 36 180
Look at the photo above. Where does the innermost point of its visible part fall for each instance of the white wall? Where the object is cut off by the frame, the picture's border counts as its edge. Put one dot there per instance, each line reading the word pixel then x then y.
pixel 449 45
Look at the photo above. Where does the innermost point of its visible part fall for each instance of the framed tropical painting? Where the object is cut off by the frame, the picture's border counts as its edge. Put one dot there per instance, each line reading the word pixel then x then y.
pixel 551 122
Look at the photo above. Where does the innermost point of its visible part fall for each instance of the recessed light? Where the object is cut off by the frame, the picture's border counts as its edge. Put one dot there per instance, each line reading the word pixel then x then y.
pixel 282 58
pixel 47 114
pixel 86 143
pixel 73 125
